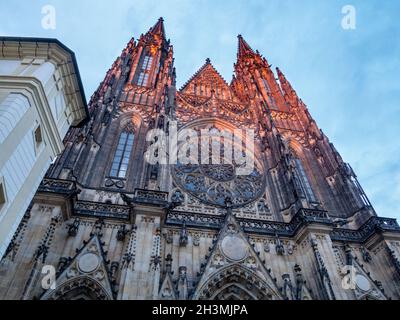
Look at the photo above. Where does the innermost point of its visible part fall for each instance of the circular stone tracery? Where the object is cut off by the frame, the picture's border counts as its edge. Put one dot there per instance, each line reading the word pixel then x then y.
pixel 213 183
pixel 222 172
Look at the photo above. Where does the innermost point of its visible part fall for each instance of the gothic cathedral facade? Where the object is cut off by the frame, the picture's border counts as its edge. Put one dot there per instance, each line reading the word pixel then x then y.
pixel 106 224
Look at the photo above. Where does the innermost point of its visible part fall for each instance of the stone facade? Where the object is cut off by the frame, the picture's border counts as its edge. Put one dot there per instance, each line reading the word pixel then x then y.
pixel 113 226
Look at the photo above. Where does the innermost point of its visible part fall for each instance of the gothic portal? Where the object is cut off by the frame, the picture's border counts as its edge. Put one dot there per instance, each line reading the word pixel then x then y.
pixel 114 226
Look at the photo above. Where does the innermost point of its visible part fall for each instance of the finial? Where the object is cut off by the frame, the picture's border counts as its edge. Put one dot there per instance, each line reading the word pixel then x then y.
pixel 208 60
pixel 161 19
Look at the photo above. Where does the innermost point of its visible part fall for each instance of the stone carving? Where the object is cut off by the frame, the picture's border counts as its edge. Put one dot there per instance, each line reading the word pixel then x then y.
pixel 365 254
pixel 218 260
pixel 196 239
pixel 177 196
pixel 98 227
pixel 262 207
pixel 287 287
pixel 73 228
pixel 183 236
pixel 168 263
pixel 290 248
pixel 122 231
pixel 102 210
pixel 279 248
pixel 182 283
pixel 349 255
pixel 62 263
pixel 212 183
pixel 168 236
pixel 251 263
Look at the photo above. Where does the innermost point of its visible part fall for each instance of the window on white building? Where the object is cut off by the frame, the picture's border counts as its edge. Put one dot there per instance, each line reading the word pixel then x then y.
pixel 38 136
pixel 3 196
pixel 38 139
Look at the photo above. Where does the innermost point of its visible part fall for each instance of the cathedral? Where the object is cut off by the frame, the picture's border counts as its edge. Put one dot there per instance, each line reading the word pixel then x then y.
pixel 107 224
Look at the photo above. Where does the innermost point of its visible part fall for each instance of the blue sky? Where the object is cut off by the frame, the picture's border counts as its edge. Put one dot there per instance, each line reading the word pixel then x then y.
pixel 348 78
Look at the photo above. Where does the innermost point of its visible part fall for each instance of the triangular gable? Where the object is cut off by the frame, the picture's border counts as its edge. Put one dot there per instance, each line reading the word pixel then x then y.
pixel 232 254
pixel 304 293
pixel 167 291
pixel 365 286
pixel 86 269
pixel 206 75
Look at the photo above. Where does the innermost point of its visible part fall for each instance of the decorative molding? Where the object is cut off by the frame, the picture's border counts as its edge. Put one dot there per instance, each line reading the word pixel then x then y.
pixel 302 218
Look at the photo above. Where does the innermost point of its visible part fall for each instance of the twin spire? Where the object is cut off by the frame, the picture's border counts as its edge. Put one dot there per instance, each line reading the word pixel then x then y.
pixel 244 50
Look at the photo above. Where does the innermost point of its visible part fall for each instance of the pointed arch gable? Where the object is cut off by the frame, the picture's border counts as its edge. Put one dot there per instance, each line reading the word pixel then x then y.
pixel 81 287
pixel 235 276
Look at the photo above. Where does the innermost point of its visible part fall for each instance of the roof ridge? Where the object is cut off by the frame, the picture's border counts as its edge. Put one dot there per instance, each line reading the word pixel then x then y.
pixel 207 63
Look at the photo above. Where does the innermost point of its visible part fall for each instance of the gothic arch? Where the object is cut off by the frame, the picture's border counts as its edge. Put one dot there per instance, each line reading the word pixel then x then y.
pixel 305 164
pixel 131 117
pixel 82 287
pixel 235 282
pixel 130 123
pixel 296 147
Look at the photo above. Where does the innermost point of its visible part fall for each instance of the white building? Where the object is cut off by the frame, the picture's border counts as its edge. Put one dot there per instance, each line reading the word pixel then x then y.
pixel 41 97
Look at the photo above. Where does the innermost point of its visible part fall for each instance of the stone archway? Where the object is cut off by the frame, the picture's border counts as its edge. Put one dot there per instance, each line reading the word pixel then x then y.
pixel 79 288
pixel 233 291
pixel 235 282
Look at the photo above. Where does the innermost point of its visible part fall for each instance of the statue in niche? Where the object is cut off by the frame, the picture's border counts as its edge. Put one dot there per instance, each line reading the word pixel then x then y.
pixel 365 254
pixel 279 248
pixel 262 206
pixel 177 196
pixel 183 236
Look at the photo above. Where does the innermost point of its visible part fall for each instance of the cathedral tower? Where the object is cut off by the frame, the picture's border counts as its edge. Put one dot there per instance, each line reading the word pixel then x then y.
pixel 115 222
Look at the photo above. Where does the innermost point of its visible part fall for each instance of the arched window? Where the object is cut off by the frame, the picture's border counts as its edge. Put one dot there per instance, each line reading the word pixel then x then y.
pixel 305 183
pixel 120 162
pixel 142 76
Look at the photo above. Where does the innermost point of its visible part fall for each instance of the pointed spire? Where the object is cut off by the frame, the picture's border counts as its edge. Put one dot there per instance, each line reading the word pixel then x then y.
pixel 158 28
pixel 283 81
pixel 243 47
pixel 289 93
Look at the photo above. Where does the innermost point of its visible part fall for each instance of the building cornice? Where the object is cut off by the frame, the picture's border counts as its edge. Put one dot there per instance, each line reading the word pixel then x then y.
pixel 63 57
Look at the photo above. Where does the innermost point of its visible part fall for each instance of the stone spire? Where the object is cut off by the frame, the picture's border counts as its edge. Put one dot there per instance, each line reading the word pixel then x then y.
pixel 244 48
pixel 289 93
pixel 158 28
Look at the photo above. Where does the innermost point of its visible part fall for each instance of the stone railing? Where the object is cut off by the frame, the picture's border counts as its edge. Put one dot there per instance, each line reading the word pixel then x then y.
pixel 57 186
pixel 372 226
pixel 302 218
pixel 194 219
pixel 150 197
pixel 96 209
